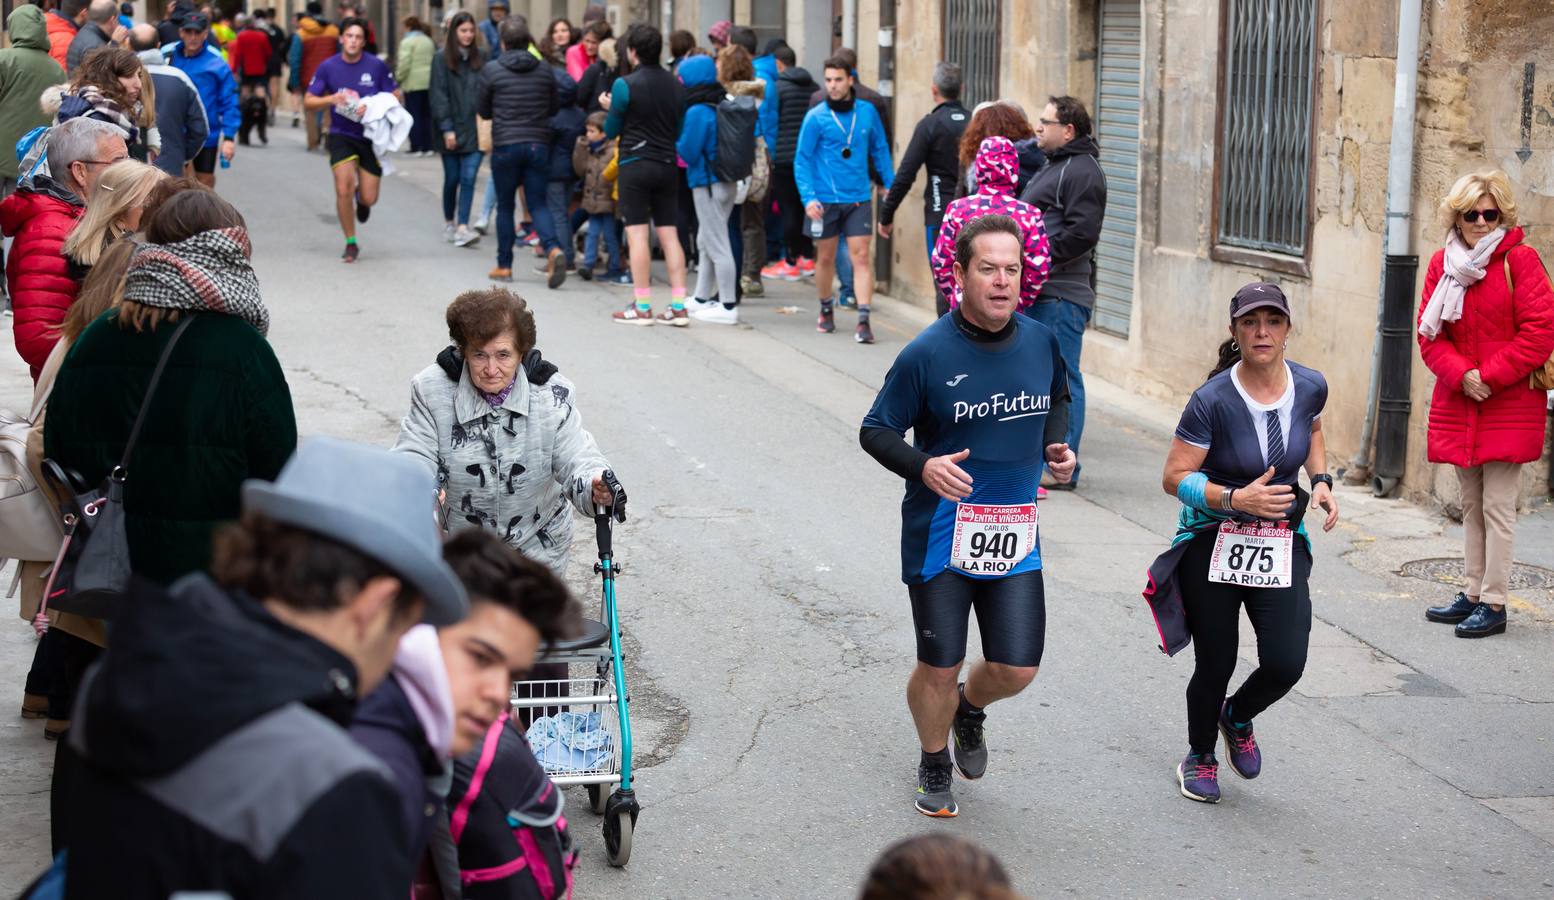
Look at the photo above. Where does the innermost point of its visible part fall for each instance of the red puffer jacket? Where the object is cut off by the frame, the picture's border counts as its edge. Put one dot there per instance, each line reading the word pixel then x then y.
pixel 1505 338
pixel 39 219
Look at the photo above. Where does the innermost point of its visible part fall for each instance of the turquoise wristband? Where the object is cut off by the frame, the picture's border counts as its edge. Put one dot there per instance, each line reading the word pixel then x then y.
pixel 1191 491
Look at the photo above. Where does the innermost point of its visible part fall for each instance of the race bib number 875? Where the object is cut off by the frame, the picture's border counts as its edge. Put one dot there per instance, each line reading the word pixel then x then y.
pixel 1253 555
pixel 992 540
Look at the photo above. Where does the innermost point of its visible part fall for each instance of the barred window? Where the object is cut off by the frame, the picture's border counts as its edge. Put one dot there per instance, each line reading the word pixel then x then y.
pixel 971 30
pixel 1265 154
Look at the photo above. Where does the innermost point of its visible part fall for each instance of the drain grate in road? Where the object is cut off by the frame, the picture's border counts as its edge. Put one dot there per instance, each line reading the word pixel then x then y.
pixel 1449 570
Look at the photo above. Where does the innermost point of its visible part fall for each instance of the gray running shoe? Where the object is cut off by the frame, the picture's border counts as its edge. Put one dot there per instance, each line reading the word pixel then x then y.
pixel 967 746
pixel 933 791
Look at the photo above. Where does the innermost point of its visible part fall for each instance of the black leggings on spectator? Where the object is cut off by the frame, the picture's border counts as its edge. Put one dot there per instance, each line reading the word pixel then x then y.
pixel 1280 616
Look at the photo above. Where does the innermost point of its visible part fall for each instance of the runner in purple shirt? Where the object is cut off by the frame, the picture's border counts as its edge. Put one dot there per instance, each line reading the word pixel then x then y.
pixel 340 84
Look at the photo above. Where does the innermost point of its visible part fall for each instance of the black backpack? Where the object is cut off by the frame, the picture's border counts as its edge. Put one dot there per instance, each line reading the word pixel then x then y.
pixel 736 139
pixel 507 822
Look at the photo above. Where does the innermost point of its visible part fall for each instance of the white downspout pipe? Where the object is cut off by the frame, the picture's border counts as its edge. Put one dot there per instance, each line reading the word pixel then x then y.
pixel 850 24
pixel 1400 172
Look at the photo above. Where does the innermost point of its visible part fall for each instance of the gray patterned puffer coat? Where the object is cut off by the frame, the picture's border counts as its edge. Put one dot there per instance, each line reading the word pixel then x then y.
pixel 512 469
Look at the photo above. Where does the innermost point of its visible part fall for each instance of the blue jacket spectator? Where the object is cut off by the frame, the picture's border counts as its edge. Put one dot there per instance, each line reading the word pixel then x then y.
pixel 819 167
pixel 698 143
pixel 213 79
pixel 180 114
pixel 766 119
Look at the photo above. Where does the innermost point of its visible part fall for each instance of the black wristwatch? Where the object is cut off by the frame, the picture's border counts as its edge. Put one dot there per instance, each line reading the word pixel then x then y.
pixel 1324 478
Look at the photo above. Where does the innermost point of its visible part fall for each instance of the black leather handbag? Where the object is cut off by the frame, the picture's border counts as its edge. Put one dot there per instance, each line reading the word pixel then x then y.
pixel 92 569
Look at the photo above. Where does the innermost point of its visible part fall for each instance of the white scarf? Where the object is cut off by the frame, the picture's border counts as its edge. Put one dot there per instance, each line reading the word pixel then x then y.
pixel 1464 267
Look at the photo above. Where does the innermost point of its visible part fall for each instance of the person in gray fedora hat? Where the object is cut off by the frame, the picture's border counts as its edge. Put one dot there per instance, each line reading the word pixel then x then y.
pixel 211 736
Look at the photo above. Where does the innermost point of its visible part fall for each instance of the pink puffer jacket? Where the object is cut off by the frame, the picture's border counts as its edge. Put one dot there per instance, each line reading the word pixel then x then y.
pixel 998 167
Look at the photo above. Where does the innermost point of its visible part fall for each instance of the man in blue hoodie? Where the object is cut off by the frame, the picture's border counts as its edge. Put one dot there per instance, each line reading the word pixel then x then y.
pixel 217 87
pixel 837 142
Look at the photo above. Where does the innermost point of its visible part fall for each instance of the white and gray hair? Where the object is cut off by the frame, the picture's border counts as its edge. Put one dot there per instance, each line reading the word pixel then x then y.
pixel 947 78
pixel 76 139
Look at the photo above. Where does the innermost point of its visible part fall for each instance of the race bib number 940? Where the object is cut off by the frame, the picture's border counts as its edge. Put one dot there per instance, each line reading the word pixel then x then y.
pixel 1253 555
pixel 992 540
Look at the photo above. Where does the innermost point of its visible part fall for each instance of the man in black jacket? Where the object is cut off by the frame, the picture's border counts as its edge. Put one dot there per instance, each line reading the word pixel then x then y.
pixel 1070 191
pixel 794 85
pixel 935 142
pixel 518 94
pixel 212 733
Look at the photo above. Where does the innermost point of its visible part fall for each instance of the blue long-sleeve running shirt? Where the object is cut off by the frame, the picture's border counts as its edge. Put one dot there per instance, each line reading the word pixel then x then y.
pixel 1004 396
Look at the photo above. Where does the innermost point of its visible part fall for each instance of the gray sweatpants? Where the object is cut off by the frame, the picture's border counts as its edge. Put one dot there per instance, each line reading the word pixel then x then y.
pixel 713 205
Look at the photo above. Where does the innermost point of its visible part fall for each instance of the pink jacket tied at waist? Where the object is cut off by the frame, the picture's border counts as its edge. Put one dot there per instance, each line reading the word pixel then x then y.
pixel 997 167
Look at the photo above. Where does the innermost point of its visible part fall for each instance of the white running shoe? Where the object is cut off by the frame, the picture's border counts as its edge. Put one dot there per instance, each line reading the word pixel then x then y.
pixel 716 314
pixel 482 225
pixel 448 232
pixel 465 236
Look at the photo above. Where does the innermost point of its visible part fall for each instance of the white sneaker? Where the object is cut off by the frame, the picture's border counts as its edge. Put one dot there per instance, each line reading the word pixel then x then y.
pixel 481 225
pixel 717 314
pixel 448 231
pixel 692 304
pixel 465 236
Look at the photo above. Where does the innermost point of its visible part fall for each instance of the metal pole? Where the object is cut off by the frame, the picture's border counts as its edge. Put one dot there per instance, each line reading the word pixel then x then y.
pixel 886 85
pixel 850 23
pixel 1399 204
pixel 1392 364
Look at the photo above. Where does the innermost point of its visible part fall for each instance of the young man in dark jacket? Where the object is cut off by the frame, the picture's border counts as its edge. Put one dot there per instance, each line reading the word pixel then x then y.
pixel 461 673
pixel 936 143
pixel 212 733
pixel 794 85
pixel 517 92
pixel 1070 191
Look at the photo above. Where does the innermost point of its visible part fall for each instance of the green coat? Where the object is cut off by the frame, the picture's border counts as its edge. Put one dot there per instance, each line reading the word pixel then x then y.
pixel 453 104
pixel 413 62
pixel 25 70
pixel 221 415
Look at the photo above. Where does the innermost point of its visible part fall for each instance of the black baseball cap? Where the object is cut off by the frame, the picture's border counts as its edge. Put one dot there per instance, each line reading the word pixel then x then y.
pixel 195 21
pixel 1257 295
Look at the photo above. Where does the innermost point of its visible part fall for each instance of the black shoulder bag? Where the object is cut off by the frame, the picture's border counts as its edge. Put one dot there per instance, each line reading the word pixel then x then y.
pixel 93 567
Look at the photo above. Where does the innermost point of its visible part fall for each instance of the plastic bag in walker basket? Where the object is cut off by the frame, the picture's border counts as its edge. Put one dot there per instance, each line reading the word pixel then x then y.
pixel 571 742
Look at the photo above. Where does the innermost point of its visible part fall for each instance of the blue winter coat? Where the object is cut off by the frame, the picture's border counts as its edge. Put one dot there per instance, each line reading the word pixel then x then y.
pixel 818 167
pixel 698 143
pixel 214 80
pixel 566 127
pixel 766 119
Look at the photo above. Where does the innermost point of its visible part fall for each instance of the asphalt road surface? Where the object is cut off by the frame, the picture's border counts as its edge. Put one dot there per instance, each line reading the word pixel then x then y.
pixel 770 635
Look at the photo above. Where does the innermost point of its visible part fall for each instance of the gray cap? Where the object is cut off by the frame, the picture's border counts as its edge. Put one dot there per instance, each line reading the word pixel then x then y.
pixel 1256 295
pixel 372 500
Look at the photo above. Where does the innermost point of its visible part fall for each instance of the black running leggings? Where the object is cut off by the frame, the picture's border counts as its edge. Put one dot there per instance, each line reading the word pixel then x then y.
pixel 1280 616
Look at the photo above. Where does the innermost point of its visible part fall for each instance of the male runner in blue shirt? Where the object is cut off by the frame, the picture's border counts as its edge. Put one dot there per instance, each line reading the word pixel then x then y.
pixel 985 393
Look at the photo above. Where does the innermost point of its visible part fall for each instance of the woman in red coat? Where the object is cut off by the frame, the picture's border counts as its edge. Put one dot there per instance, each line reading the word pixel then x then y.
pixel 1486 323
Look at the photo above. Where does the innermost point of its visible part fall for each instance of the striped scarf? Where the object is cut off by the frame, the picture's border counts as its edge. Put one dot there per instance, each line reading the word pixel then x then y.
pixel 207 272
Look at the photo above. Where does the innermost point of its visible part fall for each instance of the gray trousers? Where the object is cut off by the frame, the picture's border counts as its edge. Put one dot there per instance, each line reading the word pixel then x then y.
pixel 718 273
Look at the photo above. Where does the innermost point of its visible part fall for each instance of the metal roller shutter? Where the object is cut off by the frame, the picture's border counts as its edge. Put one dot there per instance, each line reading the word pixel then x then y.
pixel 1117 132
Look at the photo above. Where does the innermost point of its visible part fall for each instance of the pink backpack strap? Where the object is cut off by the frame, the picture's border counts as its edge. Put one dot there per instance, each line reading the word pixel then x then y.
pixel 538 867
pixel 478 780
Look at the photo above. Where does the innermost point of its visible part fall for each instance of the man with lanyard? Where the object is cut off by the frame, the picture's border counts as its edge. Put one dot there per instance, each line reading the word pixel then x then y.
pixel 838 140
pixel 341 84
pixel 217 88
pixel 936 142
pixel 983 391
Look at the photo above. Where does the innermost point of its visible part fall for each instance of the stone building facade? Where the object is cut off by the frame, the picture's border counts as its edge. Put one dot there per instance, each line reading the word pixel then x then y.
pixel 1485 101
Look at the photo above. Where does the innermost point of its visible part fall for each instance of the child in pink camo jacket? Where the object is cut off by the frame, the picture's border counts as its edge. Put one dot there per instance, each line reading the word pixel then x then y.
pixel 997 167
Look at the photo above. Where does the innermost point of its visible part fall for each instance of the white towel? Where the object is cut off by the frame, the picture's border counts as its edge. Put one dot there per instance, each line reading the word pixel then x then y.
pixel 386 123
pixel 1464 267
